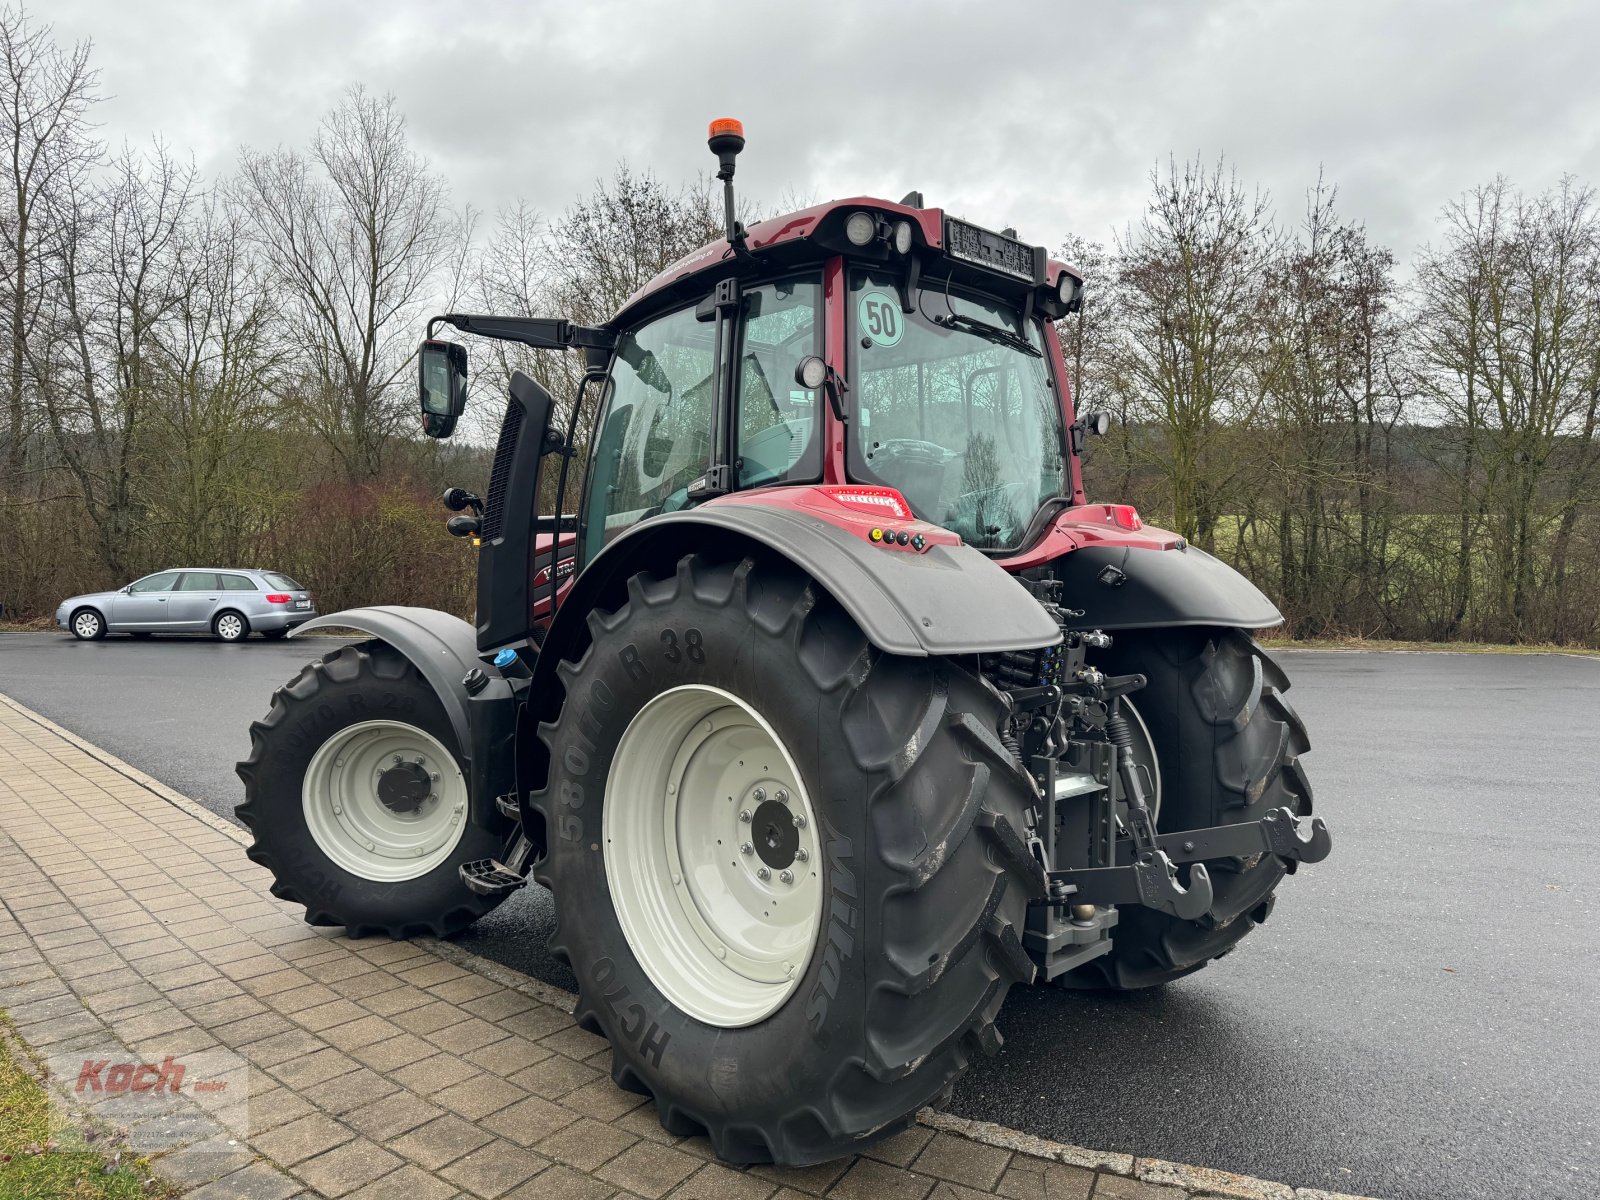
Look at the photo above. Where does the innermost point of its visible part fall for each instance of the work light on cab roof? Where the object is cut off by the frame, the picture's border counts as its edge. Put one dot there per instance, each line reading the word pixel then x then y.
pixel 810 682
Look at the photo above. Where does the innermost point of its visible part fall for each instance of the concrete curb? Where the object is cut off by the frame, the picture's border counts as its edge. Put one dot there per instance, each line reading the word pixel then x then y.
pixel 1200 1181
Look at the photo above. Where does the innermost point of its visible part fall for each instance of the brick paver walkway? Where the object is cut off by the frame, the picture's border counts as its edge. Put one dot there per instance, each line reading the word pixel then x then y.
pixel 377 1068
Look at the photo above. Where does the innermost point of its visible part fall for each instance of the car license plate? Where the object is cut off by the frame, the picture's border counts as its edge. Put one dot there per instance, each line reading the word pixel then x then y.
pixel 302 604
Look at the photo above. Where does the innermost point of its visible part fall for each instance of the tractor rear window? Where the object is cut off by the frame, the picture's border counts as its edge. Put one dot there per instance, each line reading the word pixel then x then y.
pixel 959 415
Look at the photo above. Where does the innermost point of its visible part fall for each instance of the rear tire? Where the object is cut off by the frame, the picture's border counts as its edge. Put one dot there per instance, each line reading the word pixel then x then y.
pixel 230 626
pixel 1228 746
pixel 343 707
pixel 88 625
pixel 922 877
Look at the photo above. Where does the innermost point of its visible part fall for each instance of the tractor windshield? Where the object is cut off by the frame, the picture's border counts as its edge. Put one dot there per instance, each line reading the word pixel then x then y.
pixel 954 407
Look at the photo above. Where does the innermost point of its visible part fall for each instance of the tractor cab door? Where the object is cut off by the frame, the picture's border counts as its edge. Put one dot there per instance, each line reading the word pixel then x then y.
pixel 667 404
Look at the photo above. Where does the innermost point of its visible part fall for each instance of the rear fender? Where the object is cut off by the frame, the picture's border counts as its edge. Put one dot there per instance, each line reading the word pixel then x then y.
pixel 444 648
pixel 1139 587
pixel 947 599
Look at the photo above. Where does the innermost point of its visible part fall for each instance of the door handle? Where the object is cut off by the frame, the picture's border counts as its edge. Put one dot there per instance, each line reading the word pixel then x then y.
pixel 161 599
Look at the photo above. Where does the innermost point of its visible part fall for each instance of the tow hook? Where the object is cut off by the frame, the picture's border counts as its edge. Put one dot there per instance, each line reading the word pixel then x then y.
pixel 1150 877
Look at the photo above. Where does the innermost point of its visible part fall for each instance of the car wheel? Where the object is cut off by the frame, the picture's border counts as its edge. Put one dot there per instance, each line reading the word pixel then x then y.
pixel 88 625
pixel 230 627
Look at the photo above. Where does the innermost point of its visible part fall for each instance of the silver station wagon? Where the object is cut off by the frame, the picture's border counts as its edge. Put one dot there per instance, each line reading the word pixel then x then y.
pixel 228 604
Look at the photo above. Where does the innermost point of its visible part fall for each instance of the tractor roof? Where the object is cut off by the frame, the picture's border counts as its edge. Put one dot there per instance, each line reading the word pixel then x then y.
pixel 792 231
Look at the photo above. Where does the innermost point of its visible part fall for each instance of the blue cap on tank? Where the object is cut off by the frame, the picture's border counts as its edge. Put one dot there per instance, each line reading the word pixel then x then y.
pixel 505 657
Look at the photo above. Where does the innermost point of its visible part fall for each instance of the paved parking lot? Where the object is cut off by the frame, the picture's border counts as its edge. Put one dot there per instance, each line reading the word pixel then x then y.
pixel 1415 1021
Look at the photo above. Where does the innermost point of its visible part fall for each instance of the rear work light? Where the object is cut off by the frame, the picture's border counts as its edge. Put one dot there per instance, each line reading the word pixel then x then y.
pixel 1125 515
pixel 879 501
pixel 278 598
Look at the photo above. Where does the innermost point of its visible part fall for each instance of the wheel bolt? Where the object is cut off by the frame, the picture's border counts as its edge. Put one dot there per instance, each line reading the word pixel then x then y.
pixel 763 873
pixel 744 815
pixel 759 795
pixel 747 848
pixel 787 876
pixel 398 759
pixel 337 809
pixel 434 777
pixel 800 854
pixel 799 821
pixel 781 796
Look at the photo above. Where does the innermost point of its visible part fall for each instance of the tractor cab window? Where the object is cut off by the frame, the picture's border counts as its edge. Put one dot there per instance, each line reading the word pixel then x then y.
pixel 958 415
pixel 654 439
pixel 778 417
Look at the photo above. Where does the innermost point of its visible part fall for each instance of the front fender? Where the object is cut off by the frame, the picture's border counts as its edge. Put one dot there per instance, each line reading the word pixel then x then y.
pixel 444 648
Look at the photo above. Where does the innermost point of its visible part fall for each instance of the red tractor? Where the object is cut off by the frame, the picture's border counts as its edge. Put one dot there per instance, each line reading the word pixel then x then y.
pixel 831 711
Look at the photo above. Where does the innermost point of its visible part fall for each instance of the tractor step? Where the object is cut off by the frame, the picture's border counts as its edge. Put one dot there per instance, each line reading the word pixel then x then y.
pixel 490 878
pixel 508 806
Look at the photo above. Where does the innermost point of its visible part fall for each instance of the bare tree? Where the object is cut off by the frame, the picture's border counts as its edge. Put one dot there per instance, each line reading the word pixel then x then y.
pixel 357 234
pixel 102 367
pixel 1511 316
pixel 46 96
pixel 1191 274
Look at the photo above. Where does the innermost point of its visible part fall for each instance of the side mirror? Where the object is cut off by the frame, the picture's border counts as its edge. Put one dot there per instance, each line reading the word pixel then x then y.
pixel 1098 423
pixel 441 386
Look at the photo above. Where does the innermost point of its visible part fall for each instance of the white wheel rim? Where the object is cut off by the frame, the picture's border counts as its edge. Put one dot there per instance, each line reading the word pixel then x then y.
pixel 86 624
pixel 725 945
pixel 229 626
pixel 349 820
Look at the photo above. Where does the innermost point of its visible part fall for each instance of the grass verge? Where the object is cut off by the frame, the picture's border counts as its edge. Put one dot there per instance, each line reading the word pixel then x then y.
pixel 46 1156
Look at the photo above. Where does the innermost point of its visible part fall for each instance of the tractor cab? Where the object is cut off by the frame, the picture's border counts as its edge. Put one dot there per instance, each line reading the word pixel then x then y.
pixel 856 344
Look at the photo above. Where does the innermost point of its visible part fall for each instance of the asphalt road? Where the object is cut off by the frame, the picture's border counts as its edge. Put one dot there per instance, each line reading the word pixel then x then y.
pixel 1416 1021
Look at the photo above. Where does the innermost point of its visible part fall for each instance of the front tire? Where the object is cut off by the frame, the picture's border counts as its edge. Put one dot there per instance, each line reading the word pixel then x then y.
pixel 1228 748
pixel 88 625
pixel 357 797
pixel 915 866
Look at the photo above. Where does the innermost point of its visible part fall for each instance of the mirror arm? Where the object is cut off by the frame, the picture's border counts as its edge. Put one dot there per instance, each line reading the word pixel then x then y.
pixel 542 333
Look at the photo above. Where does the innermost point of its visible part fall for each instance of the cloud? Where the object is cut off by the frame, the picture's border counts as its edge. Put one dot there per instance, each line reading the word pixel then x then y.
pixel 1046 117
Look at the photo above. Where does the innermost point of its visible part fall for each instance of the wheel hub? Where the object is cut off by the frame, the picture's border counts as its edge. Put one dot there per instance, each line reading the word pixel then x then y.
pixel 403 787
pixel 775 835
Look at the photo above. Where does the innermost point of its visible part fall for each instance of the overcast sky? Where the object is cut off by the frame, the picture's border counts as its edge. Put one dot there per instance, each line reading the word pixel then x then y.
pixel 1046 116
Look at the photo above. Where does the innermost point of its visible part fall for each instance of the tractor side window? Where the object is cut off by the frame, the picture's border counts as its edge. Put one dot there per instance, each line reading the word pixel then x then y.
pixel 778 427
pixel 655 437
